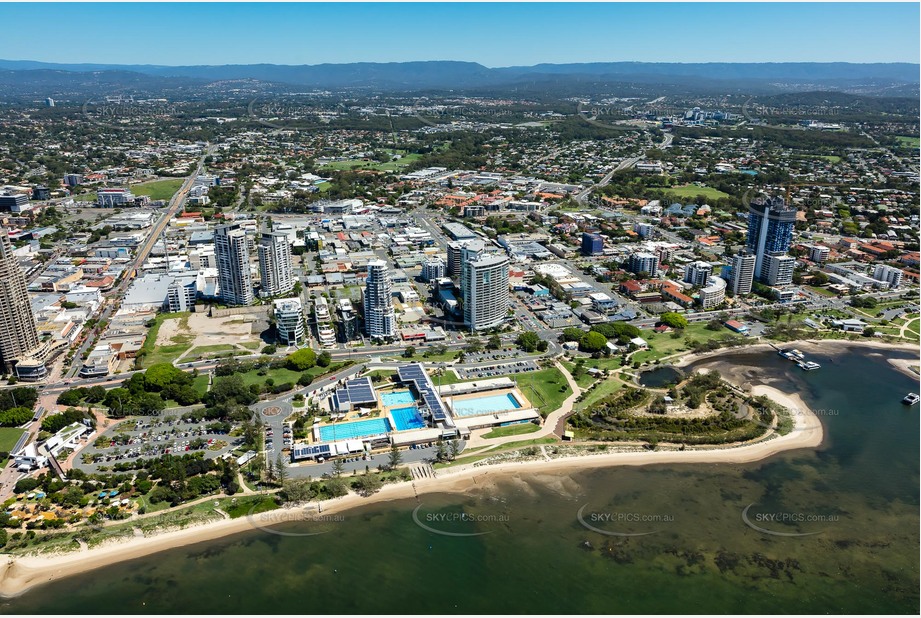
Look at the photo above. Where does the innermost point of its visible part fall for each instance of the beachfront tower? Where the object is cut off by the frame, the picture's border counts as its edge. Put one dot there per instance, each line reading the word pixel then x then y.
pixel 770 230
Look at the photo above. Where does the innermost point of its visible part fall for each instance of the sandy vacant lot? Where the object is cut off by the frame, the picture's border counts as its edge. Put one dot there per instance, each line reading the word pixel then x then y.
pixel 198 331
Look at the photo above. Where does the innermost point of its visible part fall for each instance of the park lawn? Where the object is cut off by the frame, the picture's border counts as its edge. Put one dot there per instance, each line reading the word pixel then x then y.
pixel 692 191
pixel 204 351
pixel 663 344
pixel 158 189
pixel 607 387
pixel 448 377
pixel 542 388
pixel 323 187
pixel 9 436
pixel 200 384
pixel 151 353
pixel 512 430
pixel 585 380
pixel 909 141
pixel 86 197
pixel 823 291
pixel 280 376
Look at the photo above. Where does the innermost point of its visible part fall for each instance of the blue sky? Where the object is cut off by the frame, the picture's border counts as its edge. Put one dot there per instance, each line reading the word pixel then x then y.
pixel 491 34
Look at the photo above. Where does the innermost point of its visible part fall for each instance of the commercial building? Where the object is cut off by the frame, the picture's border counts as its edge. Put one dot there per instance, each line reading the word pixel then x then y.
pixel 888 274
pixel 643 263
pixel 433 269
pixel 743 274
pixel 181 294
pixel 484 285
pixel 275 269
pixel 713 294
pixel 453 269
pixel 18 335
pixel 380 319
pixel 770 230
pixel 72 180
pixel 697 273
pixel 14 203
pixel 592 244
pixel 232 255
pixel 778 269
pixel 114 198
pixel 347 326
pixel 289 321
pixel 819 254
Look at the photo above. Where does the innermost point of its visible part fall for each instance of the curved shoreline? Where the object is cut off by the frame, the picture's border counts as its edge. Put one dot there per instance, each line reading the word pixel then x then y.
pixel 19 575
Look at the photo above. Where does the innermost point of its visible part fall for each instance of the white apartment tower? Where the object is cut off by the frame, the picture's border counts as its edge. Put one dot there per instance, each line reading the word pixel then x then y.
pixel 232 256
pixel 275 270
pixel 380 319
pixel 743 274
pixel 484 285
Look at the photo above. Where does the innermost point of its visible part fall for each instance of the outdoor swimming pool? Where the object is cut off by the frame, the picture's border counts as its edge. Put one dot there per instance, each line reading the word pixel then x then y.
pixel 484 405
pixel 407 418
pixel 355 429
pixel 397 398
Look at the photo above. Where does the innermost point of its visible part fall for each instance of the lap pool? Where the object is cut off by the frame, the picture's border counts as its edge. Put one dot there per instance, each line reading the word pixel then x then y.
pixel 407 418
pixel 397 398
pixel 487 404
pixel 355 429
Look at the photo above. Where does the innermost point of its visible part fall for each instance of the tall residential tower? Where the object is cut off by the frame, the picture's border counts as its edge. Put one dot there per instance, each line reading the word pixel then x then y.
pixel 232 256
pixel 275 264
pixel 18 335
pixel 380 318
pixel 770 230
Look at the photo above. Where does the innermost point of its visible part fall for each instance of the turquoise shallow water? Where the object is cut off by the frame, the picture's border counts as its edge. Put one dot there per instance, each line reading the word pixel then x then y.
pixel 858 492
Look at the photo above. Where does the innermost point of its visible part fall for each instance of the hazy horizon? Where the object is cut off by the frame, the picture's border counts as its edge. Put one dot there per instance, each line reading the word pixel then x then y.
pixel 493 35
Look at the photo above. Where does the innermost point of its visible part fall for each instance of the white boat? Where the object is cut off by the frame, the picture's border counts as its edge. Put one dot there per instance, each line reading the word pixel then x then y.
pixel 911 399
pixel 808 365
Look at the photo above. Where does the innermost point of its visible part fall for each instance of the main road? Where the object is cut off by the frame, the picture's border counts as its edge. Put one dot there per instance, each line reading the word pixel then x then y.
pixel 176 202
pixel 582 196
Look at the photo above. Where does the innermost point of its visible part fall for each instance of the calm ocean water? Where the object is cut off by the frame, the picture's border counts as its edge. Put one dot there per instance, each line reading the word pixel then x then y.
pixel 559 543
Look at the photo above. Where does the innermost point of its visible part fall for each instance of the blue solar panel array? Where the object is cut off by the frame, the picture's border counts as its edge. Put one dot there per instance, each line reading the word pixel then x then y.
pixel 356 392
pixel 312 450
pixel 416 374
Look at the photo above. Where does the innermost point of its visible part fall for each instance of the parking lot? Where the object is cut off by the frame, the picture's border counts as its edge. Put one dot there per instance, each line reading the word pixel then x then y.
pixel 499 369
pixel 153 437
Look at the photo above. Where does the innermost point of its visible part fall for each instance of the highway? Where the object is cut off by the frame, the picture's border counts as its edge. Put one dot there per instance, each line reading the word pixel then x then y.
pixel 112 304
pixel 582 196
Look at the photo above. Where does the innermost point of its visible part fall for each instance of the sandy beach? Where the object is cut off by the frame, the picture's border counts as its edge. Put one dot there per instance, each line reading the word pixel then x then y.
pixel 20 574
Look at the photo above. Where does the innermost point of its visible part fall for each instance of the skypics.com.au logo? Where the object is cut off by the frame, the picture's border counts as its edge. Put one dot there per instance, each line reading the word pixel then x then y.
pixel 124 112
pixel 300 522
pixel 772 522
pixel 619 523
pixel 458 523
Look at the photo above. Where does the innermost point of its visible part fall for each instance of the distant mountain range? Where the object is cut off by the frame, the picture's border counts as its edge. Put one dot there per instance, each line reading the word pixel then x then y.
pixel 452 75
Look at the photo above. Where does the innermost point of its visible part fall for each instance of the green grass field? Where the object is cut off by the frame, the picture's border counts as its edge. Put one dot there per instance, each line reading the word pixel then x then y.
pixel 542 388
pixel 204 351
pixel 158 189
pixel 9 436
pixel 152 354
pixel 360 164
pixel 822 291
pixel 663 344
pixel 909 141
pixel 692 191
pixel 512 430
pixel 86 197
